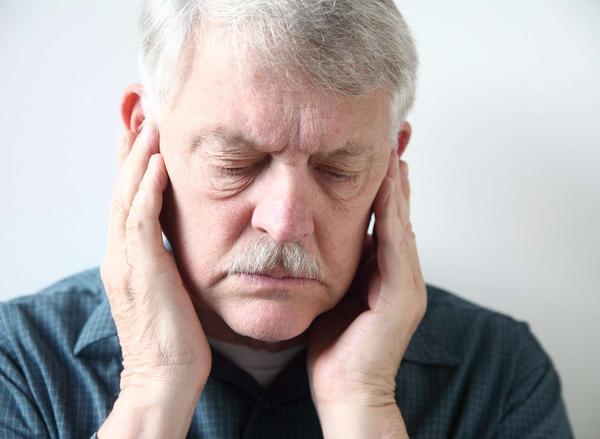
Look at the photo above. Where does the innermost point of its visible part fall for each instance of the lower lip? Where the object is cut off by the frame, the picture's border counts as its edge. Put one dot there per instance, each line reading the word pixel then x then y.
pixel 275 282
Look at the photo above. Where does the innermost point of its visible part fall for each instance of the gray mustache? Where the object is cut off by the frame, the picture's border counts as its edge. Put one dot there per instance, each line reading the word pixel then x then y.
pixel 262 254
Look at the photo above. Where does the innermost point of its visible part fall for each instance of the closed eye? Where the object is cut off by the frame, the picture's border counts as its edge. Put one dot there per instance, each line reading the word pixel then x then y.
pixel 239 171
pixel 338 176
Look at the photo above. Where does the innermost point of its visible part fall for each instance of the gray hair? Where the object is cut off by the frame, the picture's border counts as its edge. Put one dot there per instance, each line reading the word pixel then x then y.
pixel 348 46
pixel 261 254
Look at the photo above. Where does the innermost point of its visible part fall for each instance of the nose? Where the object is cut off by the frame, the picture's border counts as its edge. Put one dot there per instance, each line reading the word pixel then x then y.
pixel 283 206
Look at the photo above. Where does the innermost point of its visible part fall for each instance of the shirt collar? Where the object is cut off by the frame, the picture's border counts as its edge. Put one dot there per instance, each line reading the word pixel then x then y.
pixel 424 347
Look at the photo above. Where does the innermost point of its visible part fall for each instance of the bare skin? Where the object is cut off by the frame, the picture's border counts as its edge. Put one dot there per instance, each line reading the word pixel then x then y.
pixel 164 305
pixel 156 372
pixel 166 357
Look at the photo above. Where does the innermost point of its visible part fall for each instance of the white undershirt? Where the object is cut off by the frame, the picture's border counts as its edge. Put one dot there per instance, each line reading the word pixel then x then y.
pixel 262 365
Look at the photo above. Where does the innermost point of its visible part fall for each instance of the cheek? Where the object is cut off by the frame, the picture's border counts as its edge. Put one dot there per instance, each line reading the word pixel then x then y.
pixel 201 230
pixel 341 239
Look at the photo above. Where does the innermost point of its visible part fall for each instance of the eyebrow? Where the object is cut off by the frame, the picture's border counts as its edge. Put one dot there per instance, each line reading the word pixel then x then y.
pixel 229 142
pixel 237 142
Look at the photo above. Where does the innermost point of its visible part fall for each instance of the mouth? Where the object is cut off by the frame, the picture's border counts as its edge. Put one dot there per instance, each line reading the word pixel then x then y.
pixel 275 278
pixel 277 273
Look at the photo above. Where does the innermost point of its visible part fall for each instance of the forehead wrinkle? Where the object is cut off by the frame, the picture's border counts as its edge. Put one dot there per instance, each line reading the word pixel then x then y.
pixel 227 141
pixel 350 151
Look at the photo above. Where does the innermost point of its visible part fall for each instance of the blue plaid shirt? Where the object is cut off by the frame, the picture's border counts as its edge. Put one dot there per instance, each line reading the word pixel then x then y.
pixel 467 373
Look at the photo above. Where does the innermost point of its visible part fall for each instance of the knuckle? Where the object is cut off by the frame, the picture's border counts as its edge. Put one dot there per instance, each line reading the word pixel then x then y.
pixel 114 275
pixel 137 231
pixel 129 291
pixel 134 225
pixel 137 222
pixel 404 241
pixel 408 236
pixel 403 247
pixel 143 202
pixel 119 206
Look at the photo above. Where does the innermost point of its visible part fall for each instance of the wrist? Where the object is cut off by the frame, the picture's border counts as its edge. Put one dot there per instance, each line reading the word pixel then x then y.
pixel 163 377
pixel 361 422
pixel 156 410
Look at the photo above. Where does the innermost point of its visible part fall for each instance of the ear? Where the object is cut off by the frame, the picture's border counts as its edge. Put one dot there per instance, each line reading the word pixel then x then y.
pixel 133 117
pixel 403 137
pixel 132 112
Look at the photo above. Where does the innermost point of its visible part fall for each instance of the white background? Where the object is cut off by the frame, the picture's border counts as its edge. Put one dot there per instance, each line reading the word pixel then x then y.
pixel 505 158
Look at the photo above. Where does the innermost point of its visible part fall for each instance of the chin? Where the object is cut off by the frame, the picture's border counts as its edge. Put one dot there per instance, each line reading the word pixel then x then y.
pixel 269 321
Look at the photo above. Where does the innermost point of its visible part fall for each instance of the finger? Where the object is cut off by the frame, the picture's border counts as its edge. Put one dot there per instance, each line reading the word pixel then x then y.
pixel 405 181
pixel 125 144
pixel 395 289
pixel 406 189
pixel 389 259
pixel 405 200
pixel 401 190
pixel 390 233
pixel 143 231
pixel 403 168
pixel 131 174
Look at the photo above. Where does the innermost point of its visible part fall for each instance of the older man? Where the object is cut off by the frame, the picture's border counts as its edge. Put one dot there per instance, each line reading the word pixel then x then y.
pixel 265 136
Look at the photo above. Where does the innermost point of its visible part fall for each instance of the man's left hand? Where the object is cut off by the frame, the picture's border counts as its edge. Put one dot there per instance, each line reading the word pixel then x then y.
pixel 356 348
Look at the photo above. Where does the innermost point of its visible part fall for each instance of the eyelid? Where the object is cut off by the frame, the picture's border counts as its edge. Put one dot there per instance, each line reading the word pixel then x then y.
pixel 240 169
pixel 244 168
pixel 235 159
pixel 339 176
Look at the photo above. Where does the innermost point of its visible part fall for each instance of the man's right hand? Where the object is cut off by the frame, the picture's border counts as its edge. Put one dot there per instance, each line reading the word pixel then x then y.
pixel 166 356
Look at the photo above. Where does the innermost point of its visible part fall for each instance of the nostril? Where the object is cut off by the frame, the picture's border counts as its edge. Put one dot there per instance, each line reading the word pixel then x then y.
pixel 282 208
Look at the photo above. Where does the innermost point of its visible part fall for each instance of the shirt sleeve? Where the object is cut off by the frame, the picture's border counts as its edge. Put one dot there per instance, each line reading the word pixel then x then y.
pixel 535 408
pixel 19 416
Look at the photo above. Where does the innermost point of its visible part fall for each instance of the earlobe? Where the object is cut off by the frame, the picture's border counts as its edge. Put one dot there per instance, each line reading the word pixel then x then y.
pixel 404 137
pixel 132 112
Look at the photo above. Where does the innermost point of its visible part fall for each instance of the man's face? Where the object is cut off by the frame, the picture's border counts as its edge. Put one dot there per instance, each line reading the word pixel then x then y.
pixel 247 158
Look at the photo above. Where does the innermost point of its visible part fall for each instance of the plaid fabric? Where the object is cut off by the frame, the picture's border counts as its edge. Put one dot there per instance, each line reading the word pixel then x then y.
pixel 468 373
